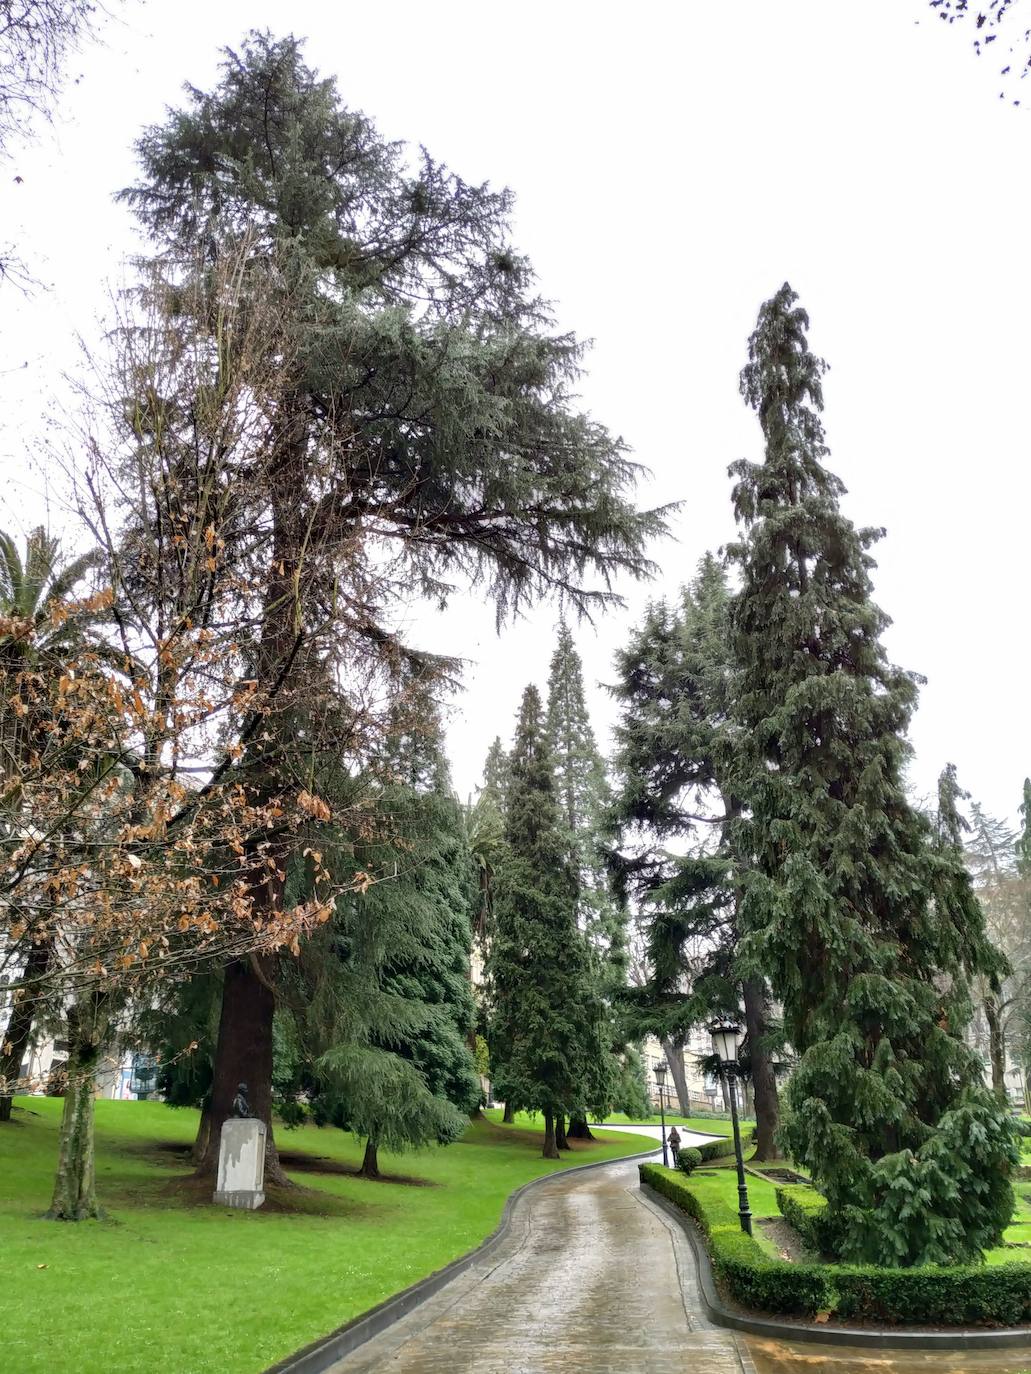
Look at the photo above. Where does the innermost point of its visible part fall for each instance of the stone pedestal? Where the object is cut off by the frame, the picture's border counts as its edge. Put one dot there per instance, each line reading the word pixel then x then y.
pixel 241 1164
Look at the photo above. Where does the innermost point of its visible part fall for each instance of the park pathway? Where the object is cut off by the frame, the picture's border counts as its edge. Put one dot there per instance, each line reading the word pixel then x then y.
pixel 591 1276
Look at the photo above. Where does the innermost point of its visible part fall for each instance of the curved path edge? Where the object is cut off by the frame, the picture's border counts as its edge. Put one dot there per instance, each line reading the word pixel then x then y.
pixel 325 1351
pixel 781 1329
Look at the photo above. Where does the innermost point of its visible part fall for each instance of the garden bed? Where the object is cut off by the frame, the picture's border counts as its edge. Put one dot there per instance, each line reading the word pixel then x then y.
pixel 751 1272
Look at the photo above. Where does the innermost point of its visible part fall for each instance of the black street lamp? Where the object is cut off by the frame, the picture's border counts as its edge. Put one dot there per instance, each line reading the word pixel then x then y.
pixel 726 1038
pixel 660 1078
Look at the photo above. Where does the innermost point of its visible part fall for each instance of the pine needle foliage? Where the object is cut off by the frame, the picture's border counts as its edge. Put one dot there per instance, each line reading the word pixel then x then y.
pixel 868 929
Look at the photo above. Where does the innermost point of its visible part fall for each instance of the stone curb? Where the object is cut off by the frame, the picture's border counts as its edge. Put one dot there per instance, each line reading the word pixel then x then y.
pixel 779 1328
pixel 317 1357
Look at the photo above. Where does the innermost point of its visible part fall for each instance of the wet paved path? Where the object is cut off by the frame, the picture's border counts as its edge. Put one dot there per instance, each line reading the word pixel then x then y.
pixel 590 1276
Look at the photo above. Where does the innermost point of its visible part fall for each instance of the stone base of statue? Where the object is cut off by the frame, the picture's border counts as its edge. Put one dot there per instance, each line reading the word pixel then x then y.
pixel 241 1163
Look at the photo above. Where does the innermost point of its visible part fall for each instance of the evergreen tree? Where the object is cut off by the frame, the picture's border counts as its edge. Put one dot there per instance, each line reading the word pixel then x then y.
pixel 1023 844
pixel 582 792
pixel 675 750
pixel 869 931
pixel 425 408
pixel 486 819
pixel 546 1018
pixel 382 1006
pixel 410 1079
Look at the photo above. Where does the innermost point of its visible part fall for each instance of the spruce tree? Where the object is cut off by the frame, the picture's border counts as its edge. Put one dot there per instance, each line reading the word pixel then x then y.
pixel 424 409
pixel 546 1016
pixel 869 931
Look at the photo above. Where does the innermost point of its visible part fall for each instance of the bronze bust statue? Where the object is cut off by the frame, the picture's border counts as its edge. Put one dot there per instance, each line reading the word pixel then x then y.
pixel 241 1107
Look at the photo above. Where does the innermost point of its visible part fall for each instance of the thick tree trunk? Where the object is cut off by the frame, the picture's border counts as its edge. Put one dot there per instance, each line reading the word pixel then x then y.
pixel 244 1055
pixel 996 1046
pixel 509 1114
pixel 764 1080
pixel 673 1048
pixel 18 1034
pixel 370 1161
pixel 550 1150
pixel 75 1187
pixel 561 1142
pixel 579 1129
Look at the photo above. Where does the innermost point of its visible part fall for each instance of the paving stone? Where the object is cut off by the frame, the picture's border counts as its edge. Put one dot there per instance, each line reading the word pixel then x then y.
pixel 590 1277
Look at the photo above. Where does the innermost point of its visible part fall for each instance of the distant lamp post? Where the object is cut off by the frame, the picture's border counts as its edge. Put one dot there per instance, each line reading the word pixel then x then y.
pixel 726 1040
pixel 660 1079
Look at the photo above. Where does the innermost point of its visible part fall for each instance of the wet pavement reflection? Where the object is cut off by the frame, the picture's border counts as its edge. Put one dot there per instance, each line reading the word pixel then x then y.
pixel 593 1276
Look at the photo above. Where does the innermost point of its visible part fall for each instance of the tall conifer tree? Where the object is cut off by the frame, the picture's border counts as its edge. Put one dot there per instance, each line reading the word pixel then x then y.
pixel 674 758
pixel 868 930
pixel 583 795
pixel 546 1016
pixel 418 359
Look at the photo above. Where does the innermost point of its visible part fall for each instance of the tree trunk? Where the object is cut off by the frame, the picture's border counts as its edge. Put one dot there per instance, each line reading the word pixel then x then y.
pixel 19 1028
pixel 725 1091
pixel 370 1161
pixel 200 1145
pixel 673 1049
pixel 561 1142
pixel 550 1147
pixel 747 1098
pixel 579 1129
pixel 764 1080
pixel 996 1046
pixel 75 1187
pixel 509 1114
pixel 244 1055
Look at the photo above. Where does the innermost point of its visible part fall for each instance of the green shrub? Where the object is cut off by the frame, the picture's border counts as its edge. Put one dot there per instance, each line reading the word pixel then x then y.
pixel 929 1295
pixel 801 1206
pixel 688 1159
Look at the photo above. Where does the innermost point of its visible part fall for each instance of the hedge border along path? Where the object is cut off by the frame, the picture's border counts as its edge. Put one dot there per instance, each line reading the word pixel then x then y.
pixel 742 1253
pixel 321 1354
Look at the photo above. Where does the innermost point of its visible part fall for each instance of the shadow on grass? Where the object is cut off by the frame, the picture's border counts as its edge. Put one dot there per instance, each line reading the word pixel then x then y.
pixel 172 1153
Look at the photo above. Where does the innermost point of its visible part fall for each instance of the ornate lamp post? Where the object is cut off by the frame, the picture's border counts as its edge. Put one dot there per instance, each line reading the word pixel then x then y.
pixel 660 1079
pixel 726 1038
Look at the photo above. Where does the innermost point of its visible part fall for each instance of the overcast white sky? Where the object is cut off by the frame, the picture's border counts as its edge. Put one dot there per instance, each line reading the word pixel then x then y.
pixel 673 164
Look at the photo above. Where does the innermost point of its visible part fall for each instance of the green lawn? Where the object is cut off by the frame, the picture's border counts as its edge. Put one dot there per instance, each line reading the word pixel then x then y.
pixel 704 1125
pixel 720 1185
pixel 170 1282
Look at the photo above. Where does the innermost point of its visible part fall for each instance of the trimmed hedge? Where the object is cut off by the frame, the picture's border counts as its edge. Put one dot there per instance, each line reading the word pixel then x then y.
pixel 969 1295
pixel 801 1207
pixel 715 1149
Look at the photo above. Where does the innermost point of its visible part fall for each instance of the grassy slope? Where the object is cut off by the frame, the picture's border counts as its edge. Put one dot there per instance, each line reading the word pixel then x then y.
pixel 168 1284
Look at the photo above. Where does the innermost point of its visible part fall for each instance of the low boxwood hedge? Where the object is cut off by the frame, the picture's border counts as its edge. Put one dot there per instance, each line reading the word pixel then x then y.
pixel 715 1149
pixel 967 1295
pixel 801 1206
